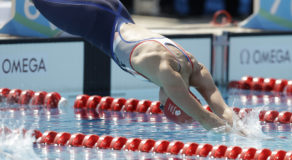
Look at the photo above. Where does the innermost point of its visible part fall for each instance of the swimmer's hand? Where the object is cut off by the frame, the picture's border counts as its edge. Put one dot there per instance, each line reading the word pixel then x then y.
pixel 240 132
pixel 233 123
pixel 230 130
pixel 234 129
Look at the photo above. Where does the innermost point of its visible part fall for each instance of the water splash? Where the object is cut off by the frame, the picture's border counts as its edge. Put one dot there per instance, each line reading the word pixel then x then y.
pixel 245 132
pixel 249 124
pixel 14 143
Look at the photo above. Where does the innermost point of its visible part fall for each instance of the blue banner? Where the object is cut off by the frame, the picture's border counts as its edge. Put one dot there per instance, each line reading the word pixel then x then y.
pixel 27 21
pixel 272 15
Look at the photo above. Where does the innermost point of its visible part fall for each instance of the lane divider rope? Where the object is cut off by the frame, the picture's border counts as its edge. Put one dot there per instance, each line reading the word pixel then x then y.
pixel 31 98
pixel 108 103
pixel 156 146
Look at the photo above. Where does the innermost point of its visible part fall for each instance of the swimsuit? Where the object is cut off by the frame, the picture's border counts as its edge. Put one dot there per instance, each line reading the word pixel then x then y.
pixel 124 49
pixel 94 20
pixel 97 21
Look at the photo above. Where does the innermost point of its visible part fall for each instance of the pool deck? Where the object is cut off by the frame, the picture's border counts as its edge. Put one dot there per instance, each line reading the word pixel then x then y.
pixel 169 26
pixel 179 26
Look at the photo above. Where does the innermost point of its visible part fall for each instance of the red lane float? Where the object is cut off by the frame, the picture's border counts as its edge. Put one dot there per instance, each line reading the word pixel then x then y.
pixel 280 85
pixel 146 106
pixel 146 145
pixel 233 152
pixel 270 116
pixel 81 101
pixel 130 105
pixel 104 142
pixel 248 153
pixel 278 154
pixel 118 143
pixel 159 146
pixel 262 84
pixel 245 82
pixel 219 151
pixel 76 140
pixel 4 92
pixel 25 97
pixel 62 138
pixel 105 103
pixel 143 106
pixel 38 98
pixel 132 144
pixel 93 101
pixel 117 104
pixel 257 84
pixel 204 150
pixel 13 96
pixel 269 84
pixel 285 117
pixel 48 137
pixel 262 154
pixel 190 149
pixel 90 140
pixel 29 97
pixel 52 100
pixel 175 147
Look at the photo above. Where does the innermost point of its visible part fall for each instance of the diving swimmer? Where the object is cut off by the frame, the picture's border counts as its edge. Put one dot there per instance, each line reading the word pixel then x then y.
pixel 108 25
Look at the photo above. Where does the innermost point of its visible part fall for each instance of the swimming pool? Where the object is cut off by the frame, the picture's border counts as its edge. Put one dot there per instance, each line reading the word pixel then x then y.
pixel 273 136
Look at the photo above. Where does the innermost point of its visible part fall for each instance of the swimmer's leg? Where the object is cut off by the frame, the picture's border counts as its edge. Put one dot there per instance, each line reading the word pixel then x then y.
pixel 92 19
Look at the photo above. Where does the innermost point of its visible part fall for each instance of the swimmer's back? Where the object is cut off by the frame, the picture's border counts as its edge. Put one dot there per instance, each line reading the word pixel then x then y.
pixel 153 55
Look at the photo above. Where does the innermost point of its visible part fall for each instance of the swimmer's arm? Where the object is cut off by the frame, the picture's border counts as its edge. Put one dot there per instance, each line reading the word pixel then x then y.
pixel 202 80
pixel 177 90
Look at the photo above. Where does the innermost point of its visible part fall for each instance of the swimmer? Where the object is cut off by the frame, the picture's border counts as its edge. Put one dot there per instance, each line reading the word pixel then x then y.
pixel 140 52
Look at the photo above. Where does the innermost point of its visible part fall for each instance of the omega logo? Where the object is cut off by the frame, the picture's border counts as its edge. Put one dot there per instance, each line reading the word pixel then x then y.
pixel 272 56
pixel 23 65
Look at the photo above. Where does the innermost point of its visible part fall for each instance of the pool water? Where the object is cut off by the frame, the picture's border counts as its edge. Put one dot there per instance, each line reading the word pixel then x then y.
pixel 139 125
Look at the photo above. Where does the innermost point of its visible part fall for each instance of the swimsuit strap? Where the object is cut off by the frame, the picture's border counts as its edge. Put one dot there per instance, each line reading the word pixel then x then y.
pixel 123 49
